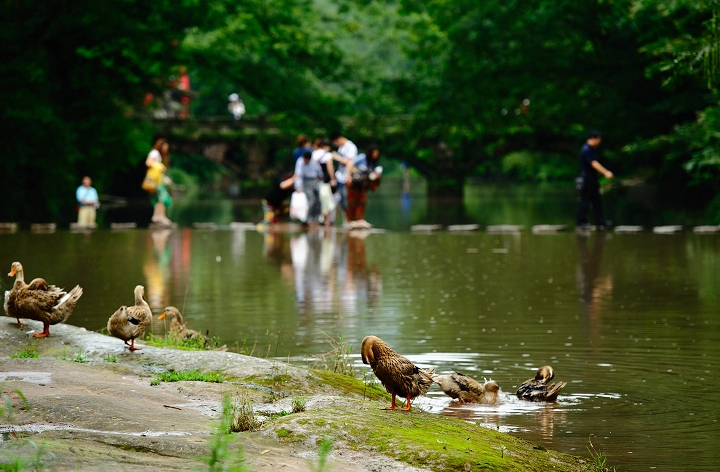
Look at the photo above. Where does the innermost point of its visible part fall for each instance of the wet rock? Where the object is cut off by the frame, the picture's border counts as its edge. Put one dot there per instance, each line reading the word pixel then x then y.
pixel 463 228
pixel 629 229
pixel 425 228
pixel 670 229
pixel 548 229
pixel 706 229
pixel 505 229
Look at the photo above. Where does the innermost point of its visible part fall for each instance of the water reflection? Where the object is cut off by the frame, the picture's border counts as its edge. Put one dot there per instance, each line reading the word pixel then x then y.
pixel 595 290
pixel 328 269
pixel 155 268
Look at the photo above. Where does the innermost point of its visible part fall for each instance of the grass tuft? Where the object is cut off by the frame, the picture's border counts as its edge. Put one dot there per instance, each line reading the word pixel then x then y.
pixel 598 460
pixel 298 404
pixel 80 357
pixel 110 358
pixel 29 352
pixel 221 456
pixel 241 415
pixel 189 375
pixel 178 342
pixel 337 359
pixel 325 445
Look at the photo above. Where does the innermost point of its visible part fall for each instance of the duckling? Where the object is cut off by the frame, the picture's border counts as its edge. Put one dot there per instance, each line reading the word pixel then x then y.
pixel 39 301
pixel 538 389
pixel 177 325
pixel 467 389
pixel 398 375
pixel 129 322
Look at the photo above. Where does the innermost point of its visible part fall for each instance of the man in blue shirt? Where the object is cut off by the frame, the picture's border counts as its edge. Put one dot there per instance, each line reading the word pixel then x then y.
pixel 87 198
pixel 590 169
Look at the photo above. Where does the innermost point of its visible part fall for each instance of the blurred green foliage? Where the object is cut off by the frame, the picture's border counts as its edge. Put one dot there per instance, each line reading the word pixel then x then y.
pixel 455 88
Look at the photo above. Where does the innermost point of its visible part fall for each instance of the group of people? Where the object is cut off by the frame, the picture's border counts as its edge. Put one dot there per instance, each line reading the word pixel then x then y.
pixel 324 180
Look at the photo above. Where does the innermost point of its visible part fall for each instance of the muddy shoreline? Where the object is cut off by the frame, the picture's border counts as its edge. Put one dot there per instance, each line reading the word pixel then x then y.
pixel 90 405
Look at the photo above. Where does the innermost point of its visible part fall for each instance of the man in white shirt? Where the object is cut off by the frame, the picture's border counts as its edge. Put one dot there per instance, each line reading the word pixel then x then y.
pixel 345 155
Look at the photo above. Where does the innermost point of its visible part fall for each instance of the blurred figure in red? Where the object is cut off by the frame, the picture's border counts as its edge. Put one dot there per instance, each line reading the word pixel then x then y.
pixel 184 85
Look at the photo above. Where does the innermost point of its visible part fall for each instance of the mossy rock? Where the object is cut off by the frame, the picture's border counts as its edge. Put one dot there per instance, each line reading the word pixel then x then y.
pixel 423 439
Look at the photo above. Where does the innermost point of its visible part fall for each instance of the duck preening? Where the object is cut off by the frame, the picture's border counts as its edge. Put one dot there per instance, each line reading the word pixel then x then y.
pixel 39 301
pixel 468 390
pixel 129 322
pixel 178 329
pixel 398 375
pixel 538 389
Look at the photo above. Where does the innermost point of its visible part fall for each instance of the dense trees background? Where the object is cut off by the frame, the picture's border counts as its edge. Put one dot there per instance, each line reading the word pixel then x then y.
pixel 484 88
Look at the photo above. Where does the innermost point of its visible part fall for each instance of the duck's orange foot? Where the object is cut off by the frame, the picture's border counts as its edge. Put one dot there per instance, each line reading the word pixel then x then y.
pixel 20 323
pixel 390 408
pixel 405 408
pixel 133 348
pixel 41 335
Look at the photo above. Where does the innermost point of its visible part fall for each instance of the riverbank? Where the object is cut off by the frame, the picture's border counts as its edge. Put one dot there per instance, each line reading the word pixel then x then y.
pixel 90 404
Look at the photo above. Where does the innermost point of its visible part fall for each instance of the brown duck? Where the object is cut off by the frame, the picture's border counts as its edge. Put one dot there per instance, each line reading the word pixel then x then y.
pixel 398 375
pixel 537 389
pixel 39 301
pixel 467 389
pixel 177 325
pixel 129 322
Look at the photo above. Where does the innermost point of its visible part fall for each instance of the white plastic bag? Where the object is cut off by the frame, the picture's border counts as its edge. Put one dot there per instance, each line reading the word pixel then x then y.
pixel 299 206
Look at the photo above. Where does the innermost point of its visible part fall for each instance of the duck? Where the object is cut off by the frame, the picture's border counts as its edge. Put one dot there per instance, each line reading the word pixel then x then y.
pixel 398 375
pixel 537 389
pixel 39 301
pixel 129 322
pixel 177 325
pixel 468 390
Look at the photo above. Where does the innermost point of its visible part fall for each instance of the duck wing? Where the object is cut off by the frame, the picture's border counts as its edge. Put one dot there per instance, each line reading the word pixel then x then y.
pixel 468 384
pixel 538 390
pixel 448 385
pixel 139 317
pixel 400 376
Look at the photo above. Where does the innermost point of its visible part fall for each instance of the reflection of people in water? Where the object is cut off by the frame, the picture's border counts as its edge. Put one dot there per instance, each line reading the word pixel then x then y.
pixel 594 289
pixel 155 268
pixel 327 269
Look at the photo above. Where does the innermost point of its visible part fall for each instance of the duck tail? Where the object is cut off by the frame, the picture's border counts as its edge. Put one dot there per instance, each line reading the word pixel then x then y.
pixel 553 391
pixel 66 304
pixel 426 379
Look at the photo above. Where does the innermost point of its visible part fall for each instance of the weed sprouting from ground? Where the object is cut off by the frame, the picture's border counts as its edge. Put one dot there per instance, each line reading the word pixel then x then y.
pixel 298 404
pixel 337 359
pixel 110 358
pixel 221 458
pixel 324 447
pixel 241 415
pixel 80 357
pixel 188 375
pixel 12 463
pixel 28 352
pixel 598 460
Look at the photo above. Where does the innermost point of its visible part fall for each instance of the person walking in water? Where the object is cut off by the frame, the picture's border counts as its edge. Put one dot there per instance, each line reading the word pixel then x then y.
pixel 590 170
pixel 88 202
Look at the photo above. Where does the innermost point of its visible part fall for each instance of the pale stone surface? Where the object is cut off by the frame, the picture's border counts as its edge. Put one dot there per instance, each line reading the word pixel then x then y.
pixel 629 229
pixel 505 229
pixel 670 229
pixel 425 228
pixel 463 227
pixel 548 229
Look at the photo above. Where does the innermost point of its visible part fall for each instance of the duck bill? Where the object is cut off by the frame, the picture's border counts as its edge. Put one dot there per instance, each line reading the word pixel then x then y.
pixel 12 272
pixel 162 316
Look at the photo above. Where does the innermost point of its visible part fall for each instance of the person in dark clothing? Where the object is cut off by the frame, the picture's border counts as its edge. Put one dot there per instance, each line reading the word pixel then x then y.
pixel 590 170
pixel 275 206
pixel 302 145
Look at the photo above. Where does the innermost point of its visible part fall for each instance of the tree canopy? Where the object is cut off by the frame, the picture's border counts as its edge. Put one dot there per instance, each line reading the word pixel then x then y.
pixel 479 88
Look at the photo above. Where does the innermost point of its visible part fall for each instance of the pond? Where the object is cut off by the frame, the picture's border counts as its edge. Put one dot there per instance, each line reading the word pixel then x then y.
pixel 629 321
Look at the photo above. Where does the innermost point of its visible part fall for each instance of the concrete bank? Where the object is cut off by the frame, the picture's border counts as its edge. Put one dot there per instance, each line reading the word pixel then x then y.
pixel 90 404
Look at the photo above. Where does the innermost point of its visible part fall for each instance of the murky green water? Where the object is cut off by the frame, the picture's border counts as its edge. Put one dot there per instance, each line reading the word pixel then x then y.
pixel 629 321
